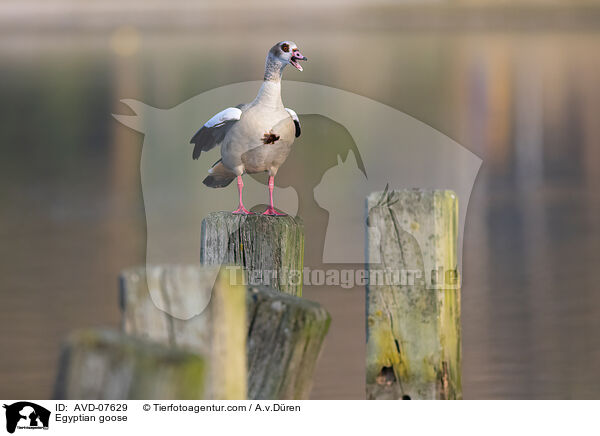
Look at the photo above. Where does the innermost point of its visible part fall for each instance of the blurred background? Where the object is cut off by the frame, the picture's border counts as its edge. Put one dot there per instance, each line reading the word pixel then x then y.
pixel 516 82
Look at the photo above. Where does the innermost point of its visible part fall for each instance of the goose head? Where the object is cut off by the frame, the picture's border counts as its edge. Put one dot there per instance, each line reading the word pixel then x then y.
pixel 286 52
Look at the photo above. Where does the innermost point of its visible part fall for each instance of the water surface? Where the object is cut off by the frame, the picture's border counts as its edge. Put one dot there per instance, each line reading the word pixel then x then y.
pixel 527 103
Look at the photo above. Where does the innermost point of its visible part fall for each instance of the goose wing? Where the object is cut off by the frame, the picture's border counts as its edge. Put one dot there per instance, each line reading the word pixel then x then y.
pixel 294 116
pixel 214 130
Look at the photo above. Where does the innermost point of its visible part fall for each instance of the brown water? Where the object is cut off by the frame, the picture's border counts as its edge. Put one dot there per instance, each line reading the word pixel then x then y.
pixel 526 103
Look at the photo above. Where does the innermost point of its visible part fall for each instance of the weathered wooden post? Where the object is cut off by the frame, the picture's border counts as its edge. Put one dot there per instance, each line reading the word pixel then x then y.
pixel 109 365
pixel 217 332
pixel 284 333
pixel 413 296
pixel 285 337
pixel 271 249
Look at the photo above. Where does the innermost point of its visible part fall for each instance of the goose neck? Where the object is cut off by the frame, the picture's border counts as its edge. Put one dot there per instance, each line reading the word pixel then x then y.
pixel 270 94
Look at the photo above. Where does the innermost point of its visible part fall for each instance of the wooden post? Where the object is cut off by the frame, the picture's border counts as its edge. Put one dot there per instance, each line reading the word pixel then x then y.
pixel 284 333
pixel 109 365
pixel 228 337
pixel 285 337
pixel 413 296
pixel 218 332
pixel 271 249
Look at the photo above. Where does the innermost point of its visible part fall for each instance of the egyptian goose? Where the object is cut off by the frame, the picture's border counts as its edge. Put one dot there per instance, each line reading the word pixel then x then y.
pixel 254 137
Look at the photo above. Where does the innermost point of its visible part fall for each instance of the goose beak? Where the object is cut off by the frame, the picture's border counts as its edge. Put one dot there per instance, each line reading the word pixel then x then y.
pixel 297 56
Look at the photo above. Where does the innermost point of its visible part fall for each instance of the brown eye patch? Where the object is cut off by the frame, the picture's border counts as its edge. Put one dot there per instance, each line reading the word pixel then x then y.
pixel 285 47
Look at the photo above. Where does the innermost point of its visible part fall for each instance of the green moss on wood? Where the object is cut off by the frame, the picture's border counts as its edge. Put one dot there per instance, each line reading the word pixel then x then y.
pixel 413 329
pixel 283 334
pixel 285 338
pixel 217 332
pixel 105 364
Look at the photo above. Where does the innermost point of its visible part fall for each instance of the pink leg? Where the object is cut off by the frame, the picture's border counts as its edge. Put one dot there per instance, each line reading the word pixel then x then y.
pixel 271 210
pixel 241 209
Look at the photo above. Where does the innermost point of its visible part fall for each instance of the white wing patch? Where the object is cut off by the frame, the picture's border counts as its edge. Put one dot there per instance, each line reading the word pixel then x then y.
pixel 293 114
pixel 229 114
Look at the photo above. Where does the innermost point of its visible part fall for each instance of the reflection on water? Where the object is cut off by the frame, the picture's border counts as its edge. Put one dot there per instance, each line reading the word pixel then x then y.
pixel 527 104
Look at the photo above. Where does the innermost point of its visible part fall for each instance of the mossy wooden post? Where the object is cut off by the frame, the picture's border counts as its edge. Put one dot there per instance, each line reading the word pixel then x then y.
pixel 271 249
pixel 156 302
pixel 285 337
pixel 413 296
pixel 284 333
pixel 100 364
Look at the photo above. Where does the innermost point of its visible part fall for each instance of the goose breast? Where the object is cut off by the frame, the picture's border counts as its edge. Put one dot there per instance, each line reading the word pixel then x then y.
pixel 260 141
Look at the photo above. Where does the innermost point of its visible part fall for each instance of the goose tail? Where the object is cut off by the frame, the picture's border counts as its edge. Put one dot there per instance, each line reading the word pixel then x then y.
pixel 219 176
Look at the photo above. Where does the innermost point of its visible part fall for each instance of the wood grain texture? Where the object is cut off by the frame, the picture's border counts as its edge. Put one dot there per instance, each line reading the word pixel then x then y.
pixel 100 364
pixel 217 332
pixel 271 249
pixel 285 338
pixel 283 334
pixel 413 312
pixel 228 340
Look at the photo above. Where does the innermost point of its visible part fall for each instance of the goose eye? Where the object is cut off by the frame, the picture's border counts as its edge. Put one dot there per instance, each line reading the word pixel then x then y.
pixel 285 47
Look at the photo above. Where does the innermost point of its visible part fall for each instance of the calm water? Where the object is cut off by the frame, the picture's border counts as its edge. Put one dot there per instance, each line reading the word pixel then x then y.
pixel 526 103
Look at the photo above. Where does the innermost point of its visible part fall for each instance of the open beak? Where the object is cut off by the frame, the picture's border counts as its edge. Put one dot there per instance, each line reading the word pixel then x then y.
pixel 297 56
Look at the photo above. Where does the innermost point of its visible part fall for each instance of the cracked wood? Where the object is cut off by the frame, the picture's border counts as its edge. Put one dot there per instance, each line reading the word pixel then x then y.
pixel 413 317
